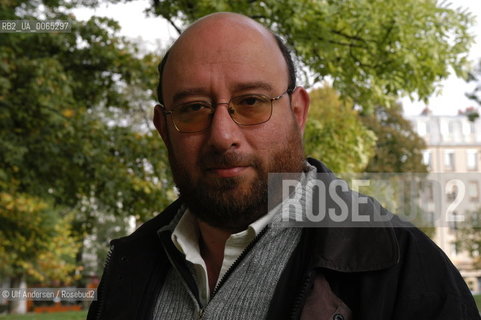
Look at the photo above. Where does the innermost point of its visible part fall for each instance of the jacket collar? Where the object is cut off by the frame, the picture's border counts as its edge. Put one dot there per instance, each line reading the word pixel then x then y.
pixel 344 249
pixel 350 249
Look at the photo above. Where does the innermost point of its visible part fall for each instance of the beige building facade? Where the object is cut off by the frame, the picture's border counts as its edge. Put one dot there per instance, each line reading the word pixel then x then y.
pixel 453 156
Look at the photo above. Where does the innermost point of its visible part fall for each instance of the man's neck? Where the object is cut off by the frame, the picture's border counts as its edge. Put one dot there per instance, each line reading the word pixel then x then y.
pixel 211 244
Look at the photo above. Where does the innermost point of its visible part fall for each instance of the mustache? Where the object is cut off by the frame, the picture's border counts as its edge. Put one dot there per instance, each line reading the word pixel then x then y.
pixel 228 159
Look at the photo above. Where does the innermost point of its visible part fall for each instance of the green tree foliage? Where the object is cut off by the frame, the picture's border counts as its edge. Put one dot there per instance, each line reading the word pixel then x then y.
pixel 373 50
pixel 74 133
pixel 382 142
pixel 398 147
pixel 37 241
pixel 468 236
pixel 349 141
pixel 335 134
pixel 398 153
pixel 474 76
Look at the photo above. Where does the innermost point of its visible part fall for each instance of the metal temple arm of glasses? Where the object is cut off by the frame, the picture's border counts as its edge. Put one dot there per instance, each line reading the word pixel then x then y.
pixel 164 110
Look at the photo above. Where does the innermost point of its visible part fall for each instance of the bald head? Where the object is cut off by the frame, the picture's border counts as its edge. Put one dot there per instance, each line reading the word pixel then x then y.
pixel 222 24
pixel 219 33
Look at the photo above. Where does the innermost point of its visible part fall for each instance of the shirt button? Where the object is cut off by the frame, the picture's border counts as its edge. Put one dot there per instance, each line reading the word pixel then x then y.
pixel 338 316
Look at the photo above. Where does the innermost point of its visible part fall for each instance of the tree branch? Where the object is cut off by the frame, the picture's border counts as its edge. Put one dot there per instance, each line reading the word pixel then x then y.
pixel 388 31
pixel 340 33
pixel 255 17
pixel 345 44
pixel 156 4
pixel 173 25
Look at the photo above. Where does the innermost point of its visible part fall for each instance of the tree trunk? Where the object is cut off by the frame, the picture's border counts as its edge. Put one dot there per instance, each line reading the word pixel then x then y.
pixel 18 306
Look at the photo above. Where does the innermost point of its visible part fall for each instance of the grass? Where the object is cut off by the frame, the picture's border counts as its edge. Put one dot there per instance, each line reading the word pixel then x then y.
pixel 81 315
pixel 72 315
pixel 477 298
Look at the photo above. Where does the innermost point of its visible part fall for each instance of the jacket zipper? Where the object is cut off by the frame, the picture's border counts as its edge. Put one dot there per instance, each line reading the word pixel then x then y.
pixel 236 262
pixel 298 303
pixel 105 278
pixel 200 309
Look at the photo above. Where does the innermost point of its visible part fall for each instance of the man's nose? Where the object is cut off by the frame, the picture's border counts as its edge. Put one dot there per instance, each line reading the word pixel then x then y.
pixel 224 133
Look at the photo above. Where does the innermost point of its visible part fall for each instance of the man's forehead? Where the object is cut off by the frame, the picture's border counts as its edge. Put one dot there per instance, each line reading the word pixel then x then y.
pixel 259 86
pixel 218 22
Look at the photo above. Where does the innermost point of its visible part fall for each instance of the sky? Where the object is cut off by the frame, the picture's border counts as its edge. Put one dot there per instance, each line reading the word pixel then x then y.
pixel 155 33
pixel 452 97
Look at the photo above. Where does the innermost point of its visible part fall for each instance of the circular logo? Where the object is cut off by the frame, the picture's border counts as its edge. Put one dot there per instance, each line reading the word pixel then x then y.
pixel 5 294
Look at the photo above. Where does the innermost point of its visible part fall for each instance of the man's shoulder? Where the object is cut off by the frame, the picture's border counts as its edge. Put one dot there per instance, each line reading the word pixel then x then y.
pixel 418 250
pixel 427 276
pixel 374 246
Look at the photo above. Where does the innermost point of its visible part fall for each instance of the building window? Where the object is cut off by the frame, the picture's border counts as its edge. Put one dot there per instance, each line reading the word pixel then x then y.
pixel 473 219
pixel 422 128
pixel 456 128
pixel 444 128
pixel 472 159
pixel 453 248
pixel 450 127
pixel 453 221
pixel 452 193
pixel 430 192
pixel 449 160
pixel 473 191
pixel 427 158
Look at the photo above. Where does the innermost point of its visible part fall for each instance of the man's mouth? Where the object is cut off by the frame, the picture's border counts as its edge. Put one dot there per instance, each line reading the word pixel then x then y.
pixel 227 172
pixel 227 165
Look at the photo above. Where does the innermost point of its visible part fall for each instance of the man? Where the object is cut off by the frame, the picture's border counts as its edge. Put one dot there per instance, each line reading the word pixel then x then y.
pixel 231 113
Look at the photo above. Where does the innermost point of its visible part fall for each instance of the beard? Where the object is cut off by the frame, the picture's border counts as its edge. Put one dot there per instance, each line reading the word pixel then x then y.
pixel 233 203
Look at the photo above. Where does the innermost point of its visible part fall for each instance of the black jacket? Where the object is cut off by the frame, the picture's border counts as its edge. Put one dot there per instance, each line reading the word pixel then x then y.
pixel 391 272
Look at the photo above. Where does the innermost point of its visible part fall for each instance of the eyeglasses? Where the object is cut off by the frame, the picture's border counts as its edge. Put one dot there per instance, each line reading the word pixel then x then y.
pixel 245 110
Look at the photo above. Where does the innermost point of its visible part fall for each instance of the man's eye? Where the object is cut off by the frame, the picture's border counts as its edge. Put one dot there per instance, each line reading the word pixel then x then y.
pixel 251 101
pixel 193 107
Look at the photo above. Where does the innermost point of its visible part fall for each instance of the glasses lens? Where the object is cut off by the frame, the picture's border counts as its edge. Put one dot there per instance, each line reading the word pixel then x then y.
pixel 251 109
pixel 192 117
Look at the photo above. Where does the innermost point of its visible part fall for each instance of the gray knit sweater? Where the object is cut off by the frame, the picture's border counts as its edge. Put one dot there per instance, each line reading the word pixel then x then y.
pixel 248 290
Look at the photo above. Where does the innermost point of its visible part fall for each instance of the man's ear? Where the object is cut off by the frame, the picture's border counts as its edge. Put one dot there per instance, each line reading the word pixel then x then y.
pixel 160 124
pixel 300 106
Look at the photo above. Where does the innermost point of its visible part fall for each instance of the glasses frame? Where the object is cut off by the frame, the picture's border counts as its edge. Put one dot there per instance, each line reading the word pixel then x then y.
pixel 214 105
